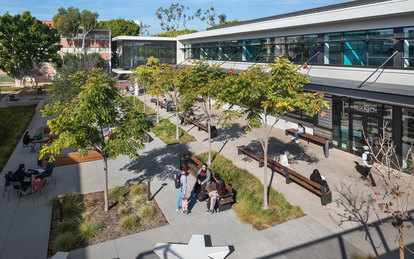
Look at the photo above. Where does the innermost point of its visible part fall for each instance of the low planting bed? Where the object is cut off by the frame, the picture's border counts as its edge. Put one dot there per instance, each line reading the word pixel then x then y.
pixel 86 223
pixel 248 193
pixel 166 131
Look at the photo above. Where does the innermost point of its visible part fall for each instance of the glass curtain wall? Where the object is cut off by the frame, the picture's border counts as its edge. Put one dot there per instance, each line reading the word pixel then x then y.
pixel 131 54
pixel 408 60
pixel 407 132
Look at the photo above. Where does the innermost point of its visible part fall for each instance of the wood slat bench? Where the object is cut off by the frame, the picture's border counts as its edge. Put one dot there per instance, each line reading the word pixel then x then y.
pixel 163 105
pixel 290 175
pixel 73 158
pixel 199 125
pixel 326 143
pixel 194 164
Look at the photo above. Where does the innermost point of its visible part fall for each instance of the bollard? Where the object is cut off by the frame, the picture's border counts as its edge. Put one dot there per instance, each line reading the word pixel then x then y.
pixel 61 197
pixel 326 148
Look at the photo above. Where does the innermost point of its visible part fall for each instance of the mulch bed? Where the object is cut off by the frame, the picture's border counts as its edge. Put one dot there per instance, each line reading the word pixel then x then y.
pixel 93 204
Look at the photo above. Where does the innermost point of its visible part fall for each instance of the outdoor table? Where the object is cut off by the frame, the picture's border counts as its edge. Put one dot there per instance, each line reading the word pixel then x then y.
pixel 40 141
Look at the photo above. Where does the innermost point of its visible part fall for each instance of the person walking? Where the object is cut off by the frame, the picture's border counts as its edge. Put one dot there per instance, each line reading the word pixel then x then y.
pixel 368 161
pixel 183 187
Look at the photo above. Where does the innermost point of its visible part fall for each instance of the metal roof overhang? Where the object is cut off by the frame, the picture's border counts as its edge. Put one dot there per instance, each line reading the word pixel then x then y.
pixel 394 94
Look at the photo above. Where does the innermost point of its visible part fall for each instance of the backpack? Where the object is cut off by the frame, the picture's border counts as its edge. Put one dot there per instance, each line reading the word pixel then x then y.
pixel 177 180
pixel 370 159
pixel 304 129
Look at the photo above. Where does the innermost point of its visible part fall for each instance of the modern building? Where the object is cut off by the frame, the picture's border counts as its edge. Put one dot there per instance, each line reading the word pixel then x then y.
pixel 360 54
pixel 129 52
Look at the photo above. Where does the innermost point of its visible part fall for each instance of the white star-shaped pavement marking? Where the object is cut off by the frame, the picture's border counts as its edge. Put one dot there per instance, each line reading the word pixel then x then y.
pixel 196 248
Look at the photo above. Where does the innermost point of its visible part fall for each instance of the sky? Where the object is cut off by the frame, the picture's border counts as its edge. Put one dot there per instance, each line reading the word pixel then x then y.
pixel 144 11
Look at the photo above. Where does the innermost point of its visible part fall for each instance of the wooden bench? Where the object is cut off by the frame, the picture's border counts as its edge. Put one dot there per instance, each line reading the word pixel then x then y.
pixel 194 164
pixel 162 105
pixel 199 125
pixel 290 175
pixel 326 143
pixel 73 158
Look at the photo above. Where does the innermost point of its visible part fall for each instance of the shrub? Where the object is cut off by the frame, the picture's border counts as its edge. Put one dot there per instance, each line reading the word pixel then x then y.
pixel 68 224
pixel 123 210
pixel 122 199
pixel 71 206
pixel 65 241
pixel 89 229
pixel 137 190
pixel 130 222
pixel 139 200
pixel 118 191
pixel 147 212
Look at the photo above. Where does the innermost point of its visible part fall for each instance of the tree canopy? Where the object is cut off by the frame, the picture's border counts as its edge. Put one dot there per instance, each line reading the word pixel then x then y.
pixel 81 123
pixel 25 42
pixel 120 27
pixel 174 33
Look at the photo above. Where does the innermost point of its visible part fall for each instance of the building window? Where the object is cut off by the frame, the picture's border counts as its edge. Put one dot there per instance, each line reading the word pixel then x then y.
pixel 408 60
pixel 407 132
pixel 379 51
pixel 333 53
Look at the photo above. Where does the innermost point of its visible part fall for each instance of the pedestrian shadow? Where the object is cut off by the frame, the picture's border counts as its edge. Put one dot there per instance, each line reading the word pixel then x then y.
pixel 359 168
pixel 277 147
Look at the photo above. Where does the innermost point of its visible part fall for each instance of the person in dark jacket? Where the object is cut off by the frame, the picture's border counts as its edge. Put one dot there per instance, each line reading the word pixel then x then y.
pixel 203 179
pixel 220 186
pixel 219 192
pixel 318 178
pixel 27 140
pixel 19 176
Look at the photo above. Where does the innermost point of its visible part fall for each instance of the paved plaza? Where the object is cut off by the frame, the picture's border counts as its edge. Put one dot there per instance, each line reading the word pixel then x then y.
pixel 316 235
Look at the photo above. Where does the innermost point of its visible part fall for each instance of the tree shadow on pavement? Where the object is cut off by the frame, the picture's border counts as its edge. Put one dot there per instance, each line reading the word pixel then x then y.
pixel 226 135
pixel 159 162
pixel 277 147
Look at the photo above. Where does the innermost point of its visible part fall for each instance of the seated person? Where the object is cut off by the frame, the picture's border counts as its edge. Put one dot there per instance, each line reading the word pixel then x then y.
pixel 48 171
pixel 318 178
pixel 27 140
pixel 19 176
pixel 284 160
pixel 300 131
pixel 203 179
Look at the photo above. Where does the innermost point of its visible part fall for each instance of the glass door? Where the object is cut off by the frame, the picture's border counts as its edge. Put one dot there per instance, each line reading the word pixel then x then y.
pixel 357 132
pixel 372 130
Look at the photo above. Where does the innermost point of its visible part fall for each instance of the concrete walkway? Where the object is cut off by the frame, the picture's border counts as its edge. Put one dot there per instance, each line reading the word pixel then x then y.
pixel 316 235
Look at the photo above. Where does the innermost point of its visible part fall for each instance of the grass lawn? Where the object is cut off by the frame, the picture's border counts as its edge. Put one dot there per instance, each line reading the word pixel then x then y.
pixel 166 130
pixel 249 195
pixel 5 78
pixel 15 120
pixel 140 105
pixel 12 88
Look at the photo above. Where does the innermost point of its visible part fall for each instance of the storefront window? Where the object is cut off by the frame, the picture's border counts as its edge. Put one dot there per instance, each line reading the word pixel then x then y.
pixel 340 123
pixel 387 120
pixel 407 132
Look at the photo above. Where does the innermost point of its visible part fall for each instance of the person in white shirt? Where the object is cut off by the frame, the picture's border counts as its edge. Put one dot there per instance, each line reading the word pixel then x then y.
pixel 368 161
pixel 300 131
pixel 284 160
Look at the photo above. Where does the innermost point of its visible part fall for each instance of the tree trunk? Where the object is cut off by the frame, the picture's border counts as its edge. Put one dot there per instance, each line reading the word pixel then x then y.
pixel 106 183
pixel 144 101
pixel 158 111
pixel 83 44
pixel 74 47
pixel 177 135
pixel 209 131
pixel 401 241
pixel 266 141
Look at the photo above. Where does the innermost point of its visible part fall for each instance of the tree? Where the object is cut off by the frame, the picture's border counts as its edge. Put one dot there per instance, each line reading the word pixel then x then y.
pixel 88 23
pixel 81 122
pixel 229 22
pixel 25 43
pixel 395 176
pixel 174 33
pixel 205 81
pixel 67 23
pixel 64 90
pixel 174 17
pixel 210 16
pixel 260 92
pixel 120 27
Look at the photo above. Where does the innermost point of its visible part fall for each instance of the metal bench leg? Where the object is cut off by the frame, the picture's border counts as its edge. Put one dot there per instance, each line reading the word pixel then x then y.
pixel 288 180
pixel 326 197
pixel 239 152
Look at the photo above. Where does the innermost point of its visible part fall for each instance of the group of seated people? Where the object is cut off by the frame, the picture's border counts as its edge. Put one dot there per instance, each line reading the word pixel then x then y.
pixel 25 177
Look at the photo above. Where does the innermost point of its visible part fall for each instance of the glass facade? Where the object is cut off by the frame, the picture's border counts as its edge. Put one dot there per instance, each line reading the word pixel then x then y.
pixel 130 54
pixel 407 132
pixel 355 48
